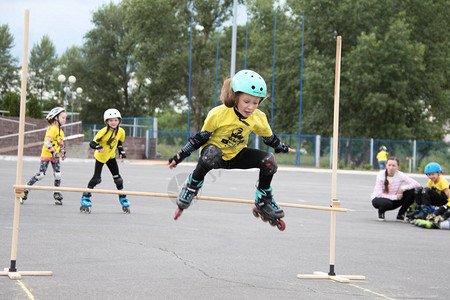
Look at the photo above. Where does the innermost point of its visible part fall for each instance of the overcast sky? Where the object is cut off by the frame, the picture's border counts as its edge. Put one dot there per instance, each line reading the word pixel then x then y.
pixel 64 21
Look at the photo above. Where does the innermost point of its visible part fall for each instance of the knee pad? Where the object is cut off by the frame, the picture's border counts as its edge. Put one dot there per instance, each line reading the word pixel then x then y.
pixel 118 181
pixel 40 176
pixel 211 156
pixel 57 175
pixel 94 181
pixel 269 165
pixel 418 190
pixel 426 190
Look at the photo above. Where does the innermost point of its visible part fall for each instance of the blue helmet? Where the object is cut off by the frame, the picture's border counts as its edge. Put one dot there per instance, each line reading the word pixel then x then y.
pixel 250 82
pixel 433 167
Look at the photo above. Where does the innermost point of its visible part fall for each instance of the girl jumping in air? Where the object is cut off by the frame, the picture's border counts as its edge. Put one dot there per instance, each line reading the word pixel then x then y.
pixel 223 142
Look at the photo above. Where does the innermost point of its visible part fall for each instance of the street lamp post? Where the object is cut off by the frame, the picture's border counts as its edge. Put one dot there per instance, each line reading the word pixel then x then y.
pixel 71 80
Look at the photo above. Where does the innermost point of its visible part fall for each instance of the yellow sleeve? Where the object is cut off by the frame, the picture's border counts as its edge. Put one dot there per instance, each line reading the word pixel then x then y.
pixel 262 127
pixel 210 123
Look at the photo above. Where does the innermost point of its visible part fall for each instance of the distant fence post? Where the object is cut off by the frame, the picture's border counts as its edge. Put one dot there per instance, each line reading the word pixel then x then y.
pixel 371 153
pixel 317 152
pixel 256 141
pixel 414 154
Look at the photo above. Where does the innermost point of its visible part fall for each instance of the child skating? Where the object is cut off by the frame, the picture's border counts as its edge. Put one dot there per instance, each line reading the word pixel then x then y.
pixel 223 142
pixel 52 151
pixel 105 143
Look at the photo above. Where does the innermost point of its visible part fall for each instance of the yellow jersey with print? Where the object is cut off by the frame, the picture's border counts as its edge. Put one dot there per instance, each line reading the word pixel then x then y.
pixel 110 150
pixel 57 136
pixel 441 185
pixel 230 133
pixel 382 155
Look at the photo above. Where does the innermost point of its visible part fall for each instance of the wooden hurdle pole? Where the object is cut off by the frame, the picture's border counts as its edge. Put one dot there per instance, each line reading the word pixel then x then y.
pixel 19 189
pixel 335 203
pixel 12 271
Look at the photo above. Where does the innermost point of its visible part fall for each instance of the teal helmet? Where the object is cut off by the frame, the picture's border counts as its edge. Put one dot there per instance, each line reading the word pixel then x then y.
pixel 433 167
pixel 250 82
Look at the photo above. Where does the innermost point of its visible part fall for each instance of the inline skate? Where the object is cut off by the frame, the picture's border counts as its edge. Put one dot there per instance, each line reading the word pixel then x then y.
pixel 188 192
pixel 58 198
pixel 86 203
pixel 267 209
pixel 25 196
pixel 125 204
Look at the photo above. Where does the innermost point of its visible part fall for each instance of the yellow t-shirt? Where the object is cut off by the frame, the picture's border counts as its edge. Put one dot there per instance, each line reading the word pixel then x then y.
pixel 441 185
pixel 229 133
pixel 382 155
pixel 57 137
pixel 110 150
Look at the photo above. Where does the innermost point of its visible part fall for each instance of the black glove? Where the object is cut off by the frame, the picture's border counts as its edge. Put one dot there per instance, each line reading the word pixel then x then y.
pixel 441 210
pixel 177 160
pixel 282 148
pixel 121 152
pixel 55 155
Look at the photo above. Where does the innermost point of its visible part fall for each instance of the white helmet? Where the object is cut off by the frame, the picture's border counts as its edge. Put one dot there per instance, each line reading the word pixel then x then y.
pixel 53 113
pixel 111 113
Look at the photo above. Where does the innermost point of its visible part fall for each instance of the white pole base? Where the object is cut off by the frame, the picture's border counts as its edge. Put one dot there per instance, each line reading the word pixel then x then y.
pixel 338 278
pixel 18 275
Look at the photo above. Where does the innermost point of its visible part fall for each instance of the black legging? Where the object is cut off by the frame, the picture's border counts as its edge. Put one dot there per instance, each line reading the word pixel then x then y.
pixel 384 204
pixel 113 168
pixel 247 158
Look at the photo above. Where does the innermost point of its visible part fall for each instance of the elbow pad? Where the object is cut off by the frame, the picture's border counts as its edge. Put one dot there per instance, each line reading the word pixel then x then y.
pixel 48 144
pixel 94 145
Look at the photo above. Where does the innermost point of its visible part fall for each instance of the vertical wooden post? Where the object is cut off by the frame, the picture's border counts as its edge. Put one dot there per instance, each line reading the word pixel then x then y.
pixel 12 271
pixel 334 201
pixel 23 101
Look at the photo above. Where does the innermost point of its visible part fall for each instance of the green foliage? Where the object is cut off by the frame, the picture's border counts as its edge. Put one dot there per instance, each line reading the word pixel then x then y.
pixel 394 69
pixel 106 66
pixel 43 61
pixel 8 64
pixel 11 103
pixel 163 29
pixel 34 108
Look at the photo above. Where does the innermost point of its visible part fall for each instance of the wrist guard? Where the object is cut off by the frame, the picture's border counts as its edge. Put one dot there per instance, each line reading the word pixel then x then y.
pixel 94 145
pixel 121 152
pixel 177 160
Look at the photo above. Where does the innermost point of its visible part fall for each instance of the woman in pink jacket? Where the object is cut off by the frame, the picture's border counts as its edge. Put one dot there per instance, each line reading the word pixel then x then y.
pixel 393 189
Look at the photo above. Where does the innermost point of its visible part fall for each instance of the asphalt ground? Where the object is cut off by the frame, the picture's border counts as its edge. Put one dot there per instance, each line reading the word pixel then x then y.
pixel 215 250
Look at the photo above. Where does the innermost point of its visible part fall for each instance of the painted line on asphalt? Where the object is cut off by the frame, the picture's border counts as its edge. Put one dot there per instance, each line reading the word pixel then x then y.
pixel 27 291
pixel 372 292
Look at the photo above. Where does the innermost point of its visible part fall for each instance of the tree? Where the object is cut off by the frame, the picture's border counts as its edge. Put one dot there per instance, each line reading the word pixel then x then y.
pixel 394 81
pixel 107 54
pixel 162 29
pixel 34 108
pixel 8 64
pixel 11 103
pixel 43 61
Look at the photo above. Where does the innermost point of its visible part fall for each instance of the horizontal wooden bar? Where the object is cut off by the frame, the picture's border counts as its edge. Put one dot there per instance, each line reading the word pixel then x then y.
pixel 20 188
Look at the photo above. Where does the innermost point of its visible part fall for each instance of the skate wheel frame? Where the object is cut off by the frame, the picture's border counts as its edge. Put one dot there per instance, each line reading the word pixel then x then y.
pixel 126 210
pixel 177 213
pixel 85 209
pixel 273 222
